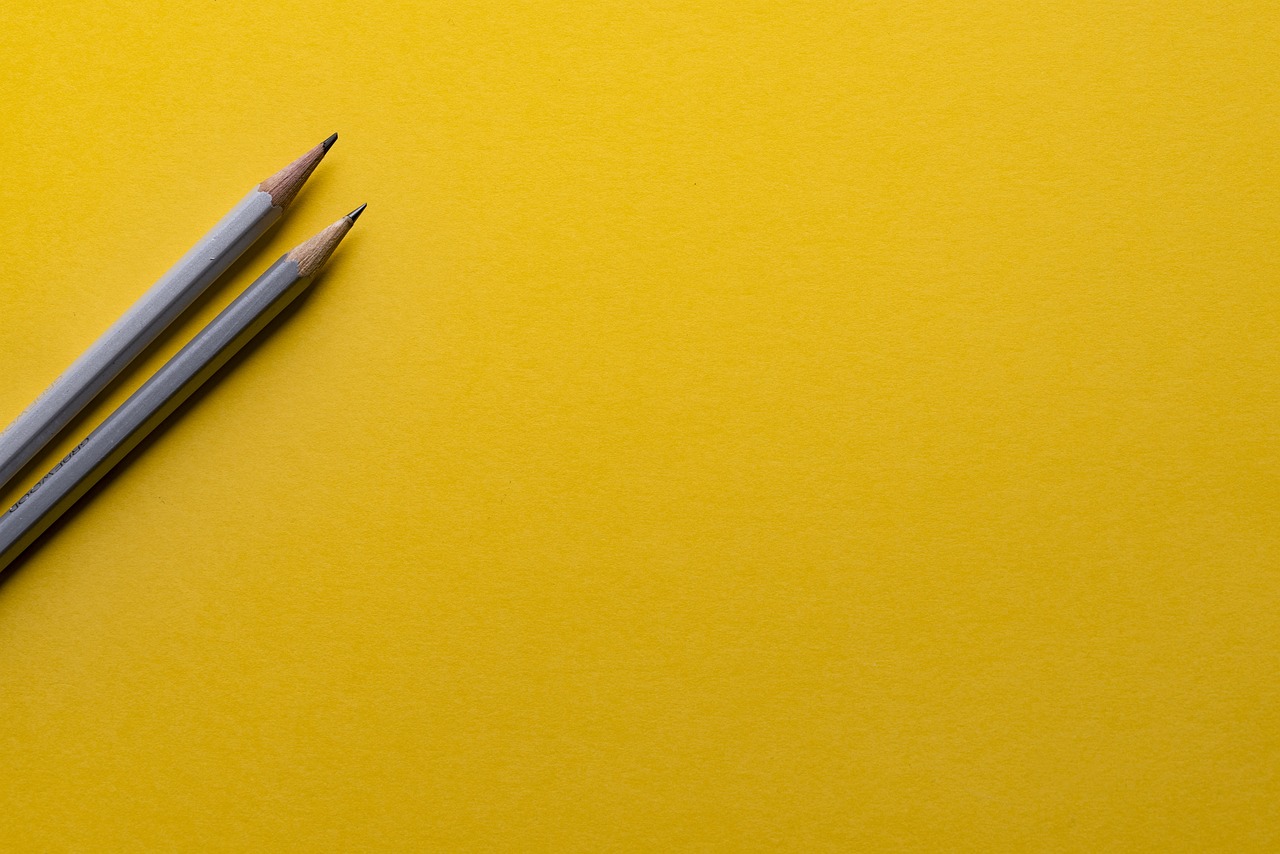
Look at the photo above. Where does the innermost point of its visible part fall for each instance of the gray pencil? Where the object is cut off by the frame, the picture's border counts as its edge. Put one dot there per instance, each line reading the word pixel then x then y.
pixel 166 390
pixel 152 314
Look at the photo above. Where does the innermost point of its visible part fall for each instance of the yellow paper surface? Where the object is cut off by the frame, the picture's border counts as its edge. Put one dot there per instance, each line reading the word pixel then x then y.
pixel 733 426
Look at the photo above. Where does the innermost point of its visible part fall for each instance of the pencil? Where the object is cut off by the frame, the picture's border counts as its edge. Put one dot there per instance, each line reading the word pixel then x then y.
pixel 152 314
pixel 239 322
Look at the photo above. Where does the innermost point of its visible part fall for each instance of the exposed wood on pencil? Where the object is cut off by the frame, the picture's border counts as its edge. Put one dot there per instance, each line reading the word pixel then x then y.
pixel 284 185
pixel 311 255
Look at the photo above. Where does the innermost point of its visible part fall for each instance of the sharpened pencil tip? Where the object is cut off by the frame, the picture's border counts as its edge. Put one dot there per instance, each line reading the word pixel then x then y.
pixel 355 214
pixel 284 185
pixel 311 255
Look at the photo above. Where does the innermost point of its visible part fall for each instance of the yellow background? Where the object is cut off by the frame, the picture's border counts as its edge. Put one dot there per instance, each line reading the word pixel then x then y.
pixel 733 426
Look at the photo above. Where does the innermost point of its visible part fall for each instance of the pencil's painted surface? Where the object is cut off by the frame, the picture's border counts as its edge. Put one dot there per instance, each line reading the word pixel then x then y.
pixel 156 309
pixel 167 389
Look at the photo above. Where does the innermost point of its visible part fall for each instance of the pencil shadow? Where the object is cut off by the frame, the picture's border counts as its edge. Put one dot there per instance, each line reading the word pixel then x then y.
pixel 195 400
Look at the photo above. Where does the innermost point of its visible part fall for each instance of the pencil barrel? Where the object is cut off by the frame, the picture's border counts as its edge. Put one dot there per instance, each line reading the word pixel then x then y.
pixel 149 406
pixel 142 324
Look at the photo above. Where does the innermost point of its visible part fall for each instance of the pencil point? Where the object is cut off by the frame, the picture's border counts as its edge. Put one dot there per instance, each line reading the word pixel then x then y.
pixel 311 255
pixel 355 214
pixel 286 183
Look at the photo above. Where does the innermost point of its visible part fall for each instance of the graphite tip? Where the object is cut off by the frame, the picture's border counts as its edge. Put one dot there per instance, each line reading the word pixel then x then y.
pixel 355 214
pixel 286 183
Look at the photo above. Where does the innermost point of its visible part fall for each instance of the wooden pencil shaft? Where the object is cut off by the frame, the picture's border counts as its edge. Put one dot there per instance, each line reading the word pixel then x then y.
pixel 142 324
pixel 107 357
pixel 149 406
